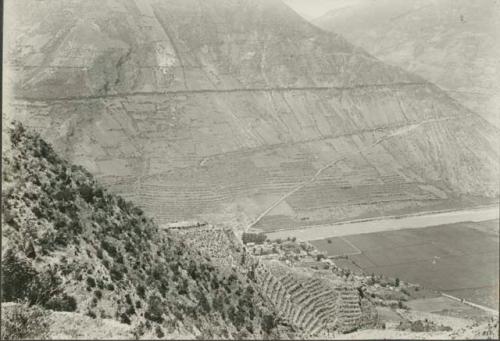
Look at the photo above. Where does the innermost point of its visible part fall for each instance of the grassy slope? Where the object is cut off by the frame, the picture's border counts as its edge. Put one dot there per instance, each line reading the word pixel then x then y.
pixel 70 245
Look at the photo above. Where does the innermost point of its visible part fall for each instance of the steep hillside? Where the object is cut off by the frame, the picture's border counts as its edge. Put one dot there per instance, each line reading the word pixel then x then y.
pixel 452 43
pixel 98 48
pixel 69 245
pixel 225 110
pixel 78 262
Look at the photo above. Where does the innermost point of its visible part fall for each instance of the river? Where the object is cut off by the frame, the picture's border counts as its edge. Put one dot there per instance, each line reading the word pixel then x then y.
pixel 318 232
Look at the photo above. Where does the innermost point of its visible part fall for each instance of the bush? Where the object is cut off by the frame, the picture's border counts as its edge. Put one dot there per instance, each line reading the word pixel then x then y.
pixel 116 274
pixel 141 291
pixel 159 332
pixel 24 322
pixel 268 323
pixel 17 274
pixel 87 193
pixel 91 282
pixel 125 319
pixel 154 311
pixel 63 302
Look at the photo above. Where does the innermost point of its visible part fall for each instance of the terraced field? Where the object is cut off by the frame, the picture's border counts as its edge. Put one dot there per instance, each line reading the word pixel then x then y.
pixel 460 259
pixel 317 305
pixel 217 117
pixel 312 303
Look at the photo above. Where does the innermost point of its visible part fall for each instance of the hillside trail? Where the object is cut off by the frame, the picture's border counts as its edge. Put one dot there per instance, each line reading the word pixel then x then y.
pixel 187 91
pixel 398 132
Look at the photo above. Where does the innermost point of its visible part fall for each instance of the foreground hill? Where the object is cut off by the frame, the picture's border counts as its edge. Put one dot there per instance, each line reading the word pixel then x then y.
pixel 69 245
pixel 451 43
pixel 224 110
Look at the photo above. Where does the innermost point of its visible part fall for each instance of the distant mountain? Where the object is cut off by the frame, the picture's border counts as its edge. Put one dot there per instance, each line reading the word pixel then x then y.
pixel 224 110
pixel 452 43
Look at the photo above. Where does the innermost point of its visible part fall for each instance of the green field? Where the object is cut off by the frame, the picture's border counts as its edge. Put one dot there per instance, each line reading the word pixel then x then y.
pixel 460 259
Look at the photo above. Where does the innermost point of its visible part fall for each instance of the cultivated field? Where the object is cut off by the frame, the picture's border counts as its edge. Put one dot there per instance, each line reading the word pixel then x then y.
pixel 459 259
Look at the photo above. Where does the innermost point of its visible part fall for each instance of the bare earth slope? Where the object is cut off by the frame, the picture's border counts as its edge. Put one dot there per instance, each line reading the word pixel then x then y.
pixel 218 109
pixel 452 43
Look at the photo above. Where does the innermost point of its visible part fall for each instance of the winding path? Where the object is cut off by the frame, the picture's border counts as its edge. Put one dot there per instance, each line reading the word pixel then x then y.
pixel 396 132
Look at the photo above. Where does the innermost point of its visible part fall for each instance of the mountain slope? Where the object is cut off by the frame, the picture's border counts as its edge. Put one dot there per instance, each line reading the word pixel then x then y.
pixel 217 109
pixel 451 43
pixel 68 245
pixel 87 264
pixel 108 47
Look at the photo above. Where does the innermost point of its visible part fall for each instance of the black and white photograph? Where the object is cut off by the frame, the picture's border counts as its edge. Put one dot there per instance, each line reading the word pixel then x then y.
pixel 250 169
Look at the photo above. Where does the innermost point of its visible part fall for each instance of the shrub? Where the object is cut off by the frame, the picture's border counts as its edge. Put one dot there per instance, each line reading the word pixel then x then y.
pixel 268 323
pixel 91 282
pixel 24 322
pixel 154 311
pixel 115 273
pixel 125 319
pixel 87 193
pixel 159 332
pixel 141 291
pixel 64 195
pixel 98 294
pixel 63 302
pixel 17 274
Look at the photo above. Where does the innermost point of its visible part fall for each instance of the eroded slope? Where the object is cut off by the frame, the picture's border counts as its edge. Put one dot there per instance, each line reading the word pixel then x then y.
pixel 219 109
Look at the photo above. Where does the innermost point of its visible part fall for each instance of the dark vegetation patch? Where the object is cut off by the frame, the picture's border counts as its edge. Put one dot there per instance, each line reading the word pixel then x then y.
pixel 64 227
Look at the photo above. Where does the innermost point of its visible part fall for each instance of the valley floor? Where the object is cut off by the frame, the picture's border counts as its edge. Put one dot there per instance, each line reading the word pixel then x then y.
pixel 459 259
pixel 389 224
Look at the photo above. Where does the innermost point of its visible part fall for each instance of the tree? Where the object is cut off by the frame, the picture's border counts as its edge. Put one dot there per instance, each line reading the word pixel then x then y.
pixel 397 282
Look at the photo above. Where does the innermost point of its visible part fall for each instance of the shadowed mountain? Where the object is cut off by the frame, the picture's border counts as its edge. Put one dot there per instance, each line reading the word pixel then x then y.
pixel 452 43
pixel 223 110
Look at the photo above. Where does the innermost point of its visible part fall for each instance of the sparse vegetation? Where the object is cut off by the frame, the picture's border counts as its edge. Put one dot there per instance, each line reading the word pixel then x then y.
pixel 22 321
pixel 111 250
